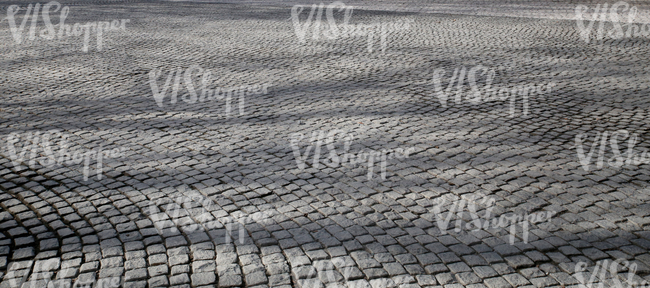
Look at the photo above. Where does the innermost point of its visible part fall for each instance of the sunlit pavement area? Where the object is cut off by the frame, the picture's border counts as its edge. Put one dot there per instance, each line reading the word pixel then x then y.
pixel 206 192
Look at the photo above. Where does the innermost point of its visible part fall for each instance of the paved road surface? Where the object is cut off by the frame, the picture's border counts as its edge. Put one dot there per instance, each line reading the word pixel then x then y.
pixel 206 192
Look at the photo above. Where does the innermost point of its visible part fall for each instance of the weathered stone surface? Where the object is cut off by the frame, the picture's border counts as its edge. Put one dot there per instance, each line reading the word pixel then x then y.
pixel 208 191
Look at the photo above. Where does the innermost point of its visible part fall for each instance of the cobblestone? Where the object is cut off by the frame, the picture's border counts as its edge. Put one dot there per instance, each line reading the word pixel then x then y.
pixel 325 225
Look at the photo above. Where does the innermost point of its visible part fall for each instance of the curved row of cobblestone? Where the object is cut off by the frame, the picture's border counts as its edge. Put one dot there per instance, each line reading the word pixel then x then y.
pixel 260 220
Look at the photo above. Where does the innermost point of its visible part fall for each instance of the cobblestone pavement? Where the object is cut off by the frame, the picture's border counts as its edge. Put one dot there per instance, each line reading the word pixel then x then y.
pixel 197 197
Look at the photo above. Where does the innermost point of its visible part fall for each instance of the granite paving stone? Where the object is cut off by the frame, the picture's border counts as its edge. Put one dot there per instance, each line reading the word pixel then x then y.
pixel 289 143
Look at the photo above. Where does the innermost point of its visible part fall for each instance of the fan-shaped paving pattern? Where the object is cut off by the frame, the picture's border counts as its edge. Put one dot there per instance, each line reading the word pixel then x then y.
pixel 259 221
